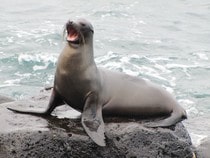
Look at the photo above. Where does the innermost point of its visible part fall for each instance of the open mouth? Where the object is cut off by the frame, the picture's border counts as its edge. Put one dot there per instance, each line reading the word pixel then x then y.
pixel 72 34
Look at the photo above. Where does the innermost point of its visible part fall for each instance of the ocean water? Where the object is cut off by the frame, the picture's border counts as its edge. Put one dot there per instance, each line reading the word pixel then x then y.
pixel 167 42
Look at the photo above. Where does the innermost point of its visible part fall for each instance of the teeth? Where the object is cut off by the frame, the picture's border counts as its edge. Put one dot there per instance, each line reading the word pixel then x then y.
pixel 72 37
pixel 72 34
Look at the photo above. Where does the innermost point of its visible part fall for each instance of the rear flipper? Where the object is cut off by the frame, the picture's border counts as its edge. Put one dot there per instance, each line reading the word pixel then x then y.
pixel 175 117
pixel 55 101
pixel 92 120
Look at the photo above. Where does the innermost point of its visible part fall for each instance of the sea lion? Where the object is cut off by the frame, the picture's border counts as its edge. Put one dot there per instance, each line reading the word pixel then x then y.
pixel 91 90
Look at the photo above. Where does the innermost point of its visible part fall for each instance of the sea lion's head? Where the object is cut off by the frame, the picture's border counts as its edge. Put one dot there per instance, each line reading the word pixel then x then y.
pixel 79 33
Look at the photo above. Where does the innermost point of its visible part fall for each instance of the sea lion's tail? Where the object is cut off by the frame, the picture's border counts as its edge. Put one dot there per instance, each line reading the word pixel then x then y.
pixel 177 115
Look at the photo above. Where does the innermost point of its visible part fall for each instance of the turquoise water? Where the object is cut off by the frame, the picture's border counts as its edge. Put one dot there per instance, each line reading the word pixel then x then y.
pixel 167 42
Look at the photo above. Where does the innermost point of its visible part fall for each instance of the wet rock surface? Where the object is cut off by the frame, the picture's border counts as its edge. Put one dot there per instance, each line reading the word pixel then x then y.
pixel 62 135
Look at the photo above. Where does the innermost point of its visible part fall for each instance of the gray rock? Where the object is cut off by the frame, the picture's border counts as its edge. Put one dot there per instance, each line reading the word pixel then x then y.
pixel 36 137
pixel 5 99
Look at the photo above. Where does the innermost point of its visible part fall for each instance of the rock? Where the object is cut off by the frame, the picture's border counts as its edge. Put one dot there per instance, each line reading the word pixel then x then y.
pixel 30 136
pixel 203 150
pixel 4 99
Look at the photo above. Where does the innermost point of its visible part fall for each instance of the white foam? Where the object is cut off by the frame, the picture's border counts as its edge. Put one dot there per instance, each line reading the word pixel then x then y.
pixel 135 56
pixel 142 22
pixel 169 89
pixel 25 75
pixel 190 107
pixel 49 80
pixel 21 33
pixel 125 59
pixel 157 41
pixel 158 66
pixel 38 67
pixel 197 138
pixel 162 68
pixel 202 56
pixel 181 66
pixel 171 81
pixel 10 39
pixel 112 65
pixel 129 72
pixel 124 63
pixel 37 58
pixel 151 72
pixel 186 101
pixel 8 83
pixel 192 111
pixel 110 55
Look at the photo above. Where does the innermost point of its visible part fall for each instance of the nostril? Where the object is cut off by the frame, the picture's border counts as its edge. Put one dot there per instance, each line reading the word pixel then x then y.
pixel 70 22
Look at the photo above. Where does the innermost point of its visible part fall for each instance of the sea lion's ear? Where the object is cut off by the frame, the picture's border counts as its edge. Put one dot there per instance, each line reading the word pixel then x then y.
pixel 92 120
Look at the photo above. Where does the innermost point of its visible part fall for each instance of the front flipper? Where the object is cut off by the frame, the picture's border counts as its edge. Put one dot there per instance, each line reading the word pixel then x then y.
pixel 92 120
pixel 55 100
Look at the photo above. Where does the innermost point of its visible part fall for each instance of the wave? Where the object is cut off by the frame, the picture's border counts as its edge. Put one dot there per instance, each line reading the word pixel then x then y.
pixel 38 61
pixel 136 65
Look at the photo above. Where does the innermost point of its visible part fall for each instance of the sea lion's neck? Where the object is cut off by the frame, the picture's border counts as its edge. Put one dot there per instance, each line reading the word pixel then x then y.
pixel 77 59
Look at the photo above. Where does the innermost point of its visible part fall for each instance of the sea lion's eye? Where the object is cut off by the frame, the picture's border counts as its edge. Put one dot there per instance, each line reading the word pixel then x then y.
pixel 83 24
